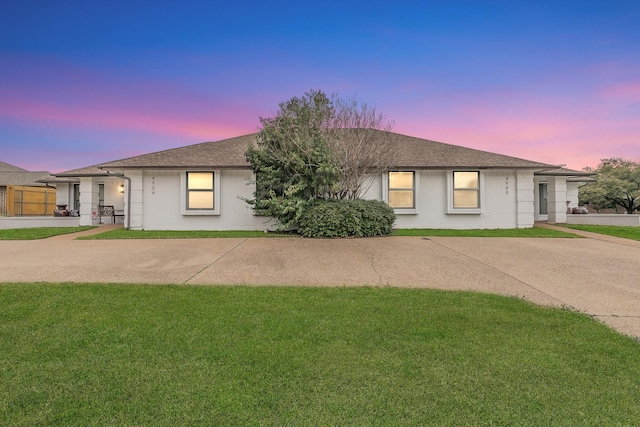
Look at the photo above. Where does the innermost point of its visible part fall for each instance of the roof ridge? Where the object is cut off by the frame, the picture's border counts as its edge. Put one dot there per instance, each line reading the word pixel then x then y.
pixel 413 152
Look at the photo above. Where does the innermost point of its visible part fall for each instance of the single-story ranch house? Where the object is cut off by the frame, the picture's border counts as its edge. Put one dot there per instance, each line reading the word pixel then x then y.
pixel 431 185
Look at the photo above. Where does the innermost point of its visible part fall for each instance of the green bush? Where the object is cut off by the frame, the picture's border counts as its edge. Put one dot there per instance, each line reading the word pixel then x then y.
pixel 346 218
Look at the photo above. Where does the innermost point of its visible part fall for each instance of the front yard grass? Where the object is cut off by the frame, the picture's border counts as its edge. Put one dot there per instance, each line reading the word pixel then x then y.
pixel 94 355
pixel 38 233
pixel 121 233
pixel 509 232
pixel 632 233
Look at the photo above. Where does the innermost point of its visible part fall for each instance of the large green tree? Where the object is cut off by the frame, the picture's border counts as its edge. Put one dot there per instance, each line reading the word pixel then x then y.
pixel 291 158
pixel 316 147
pixel 617 184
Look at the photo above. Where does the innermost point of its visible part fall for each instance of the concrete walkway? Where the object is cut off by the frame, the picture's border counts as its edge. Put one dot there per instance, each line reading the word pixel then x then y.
pixel 595 275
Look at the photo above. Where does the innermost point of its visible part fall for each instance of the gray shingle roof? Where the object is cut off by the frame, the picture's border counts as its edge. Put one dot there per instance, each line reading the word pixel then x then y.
pixel 572 175
pixel 413 153
pixel 24 178
pixel 564 172
pixel 6 167
pixel 88 170
pixel 227 153
pixel 13 175
pixel 426 154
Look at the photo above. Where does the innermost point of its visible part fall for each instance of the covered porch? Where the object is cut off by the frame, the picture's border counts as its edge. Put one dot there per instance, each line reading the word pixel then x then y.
pixel 94 196
pixel 555 191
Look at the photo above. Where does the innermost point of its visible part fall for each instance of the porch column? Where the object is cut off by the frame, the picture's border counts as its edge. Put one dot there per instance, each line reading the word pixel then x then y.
pixel 524 199
pixel 136 200
pixel 572 194
pixel 557 199
pixel 89 200
pixel 64 195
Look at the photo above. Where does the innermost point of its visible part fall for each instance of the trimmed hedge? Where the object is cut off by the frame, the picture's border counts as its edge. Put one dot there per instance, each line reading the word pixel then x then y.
pixel 346 218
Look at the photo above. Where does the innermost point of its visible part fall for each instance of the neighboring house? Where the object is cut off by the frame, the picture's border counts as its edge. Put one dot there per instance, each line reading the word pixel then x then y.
pixel 22 195
pixel 432 185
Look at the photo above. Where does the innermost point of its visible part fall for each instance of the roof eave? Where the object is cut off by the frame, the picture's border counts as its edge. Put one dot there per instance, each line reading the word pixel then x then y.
pixel 56 180
pixel 119 167
pixel 573 174
pixel 474 167
pixel 82 175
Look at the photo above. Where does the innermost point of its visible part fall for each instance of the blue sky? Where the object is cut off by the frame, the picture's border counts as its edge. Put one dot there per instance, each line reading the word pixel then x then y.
pixel 87 82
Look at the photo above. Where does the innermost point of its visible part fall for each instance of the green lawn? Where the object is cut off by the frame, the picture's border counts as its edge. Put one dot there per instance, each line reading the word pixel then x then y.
pixel 121 233
pixel 611 230
pixel 95 355
pixel 509 232
pixel 38 233
pixel 163 234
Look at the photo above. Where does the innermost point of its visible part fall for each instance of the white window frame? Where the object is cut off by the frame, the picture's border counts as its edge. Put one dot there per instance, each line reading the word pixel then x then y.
pixel 450 191
pixel 216 194
pixel 416 192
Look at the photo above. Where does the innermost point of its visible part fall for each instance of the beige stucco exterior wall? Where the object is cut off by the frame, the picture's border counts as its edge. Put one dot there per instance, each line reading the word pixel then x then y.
pixel 507 201
pixel 500 208
pixel 156 203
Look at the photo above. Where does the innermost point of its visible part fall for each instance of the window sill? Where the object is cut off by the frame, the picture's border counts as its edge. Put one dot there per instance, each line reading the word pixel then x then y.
pixel 465 212
pixel 405 211
pixel 200 213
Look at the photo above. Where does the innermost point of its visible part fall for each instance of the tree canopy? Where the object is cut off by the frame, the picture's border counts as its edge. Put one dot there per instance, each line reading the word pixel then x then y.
pixel 316 147
pixel 617 184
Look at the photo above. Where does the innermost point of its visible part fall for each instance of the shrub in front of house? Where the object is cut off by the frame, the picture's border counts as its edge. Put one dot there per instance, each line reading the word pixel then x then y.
pixel 346 218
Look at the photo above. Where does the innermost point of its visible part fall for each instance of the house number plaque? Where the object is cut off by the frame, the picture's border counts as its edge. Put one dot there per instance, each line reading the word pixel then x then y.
pixel 506 185
pixel 153 185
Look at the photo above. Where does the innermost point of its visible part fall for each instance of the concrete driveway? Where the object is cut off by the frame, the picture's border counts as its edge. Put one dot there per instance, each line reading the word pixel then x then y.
pixel 597 275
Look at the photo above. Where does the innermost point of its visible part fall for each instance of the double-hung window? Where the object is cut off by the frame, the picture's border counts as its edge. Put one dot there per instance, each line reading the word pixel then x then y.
pixel 402 186
pixel 201 196
pixel 465 192
pixel 200 190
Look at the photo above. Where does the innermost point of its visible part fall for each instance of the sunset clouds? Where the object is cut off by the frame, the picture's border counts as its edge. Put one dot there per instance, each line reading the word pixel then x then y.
pixel 540 80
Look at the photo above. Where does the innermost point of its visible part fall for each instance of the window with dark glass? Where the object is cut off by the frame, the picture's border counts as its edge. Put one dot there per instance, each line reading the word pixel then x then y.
pixel 200 190
pixel 466 190
pixel 542 194
pixel 76 196
pixel 402 190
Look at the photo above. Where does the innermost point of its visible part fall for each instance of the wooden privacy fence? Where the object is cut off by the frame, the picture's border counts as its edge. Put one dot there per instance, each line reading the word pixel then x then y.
pixel 28 201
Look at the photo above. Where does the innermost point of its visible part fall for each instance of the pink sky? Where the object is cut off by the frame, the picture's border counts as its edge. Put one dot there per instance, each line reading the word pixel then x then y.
pixel 576 131
pixel 543 81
